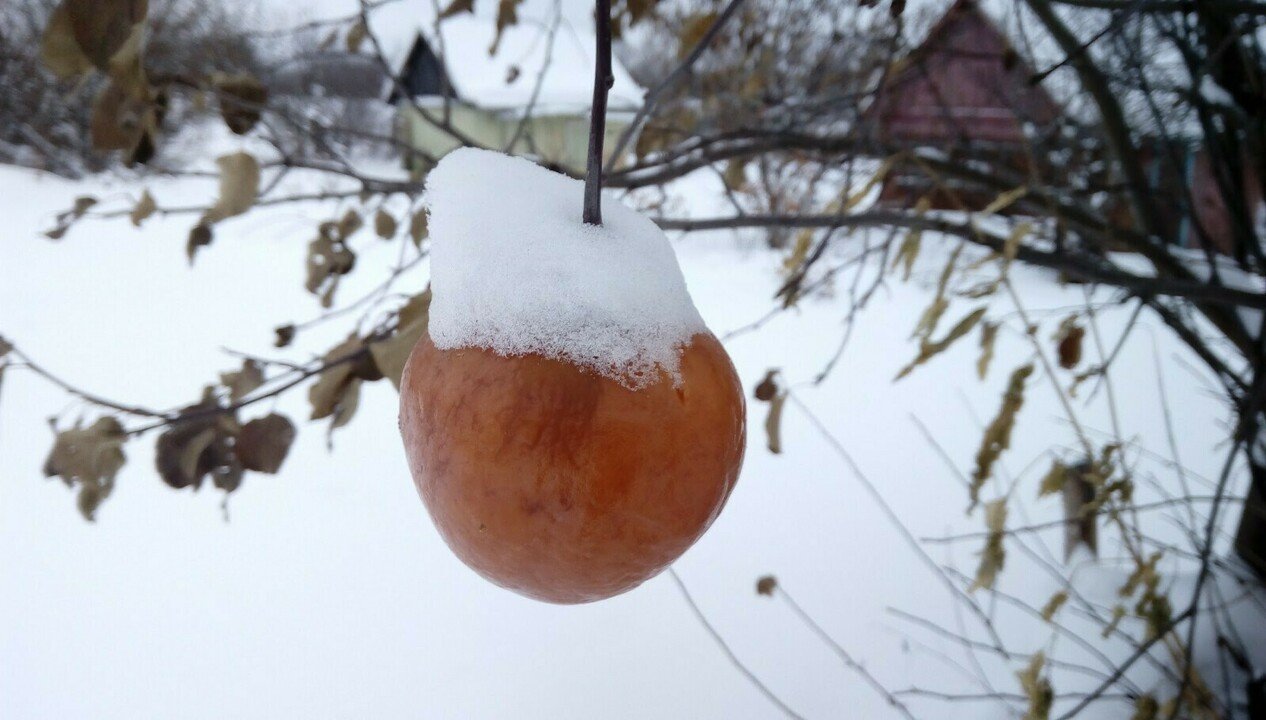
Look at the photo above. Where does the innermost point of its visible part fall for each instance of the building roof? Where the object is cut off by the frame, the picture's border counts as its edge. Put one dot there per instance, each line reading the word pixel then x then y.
pixel 330 73
pixel 556 54
pixel 965 80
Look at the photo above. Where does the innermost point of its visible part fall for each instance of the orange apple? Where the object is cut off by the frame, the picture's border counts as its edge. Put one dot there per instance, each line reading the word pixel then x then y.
pixel 562 484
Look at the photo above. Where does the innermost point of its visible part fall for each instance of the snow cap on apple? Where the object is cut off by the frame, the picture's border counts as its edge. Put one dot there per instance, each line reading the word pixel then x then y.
pixel 514 270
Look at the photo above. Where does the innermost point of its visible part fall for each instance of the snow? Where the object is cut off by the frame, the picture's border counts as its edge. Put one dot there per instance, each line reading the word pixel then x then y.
pixel 516 271
pixel 483 78
pixel 329 594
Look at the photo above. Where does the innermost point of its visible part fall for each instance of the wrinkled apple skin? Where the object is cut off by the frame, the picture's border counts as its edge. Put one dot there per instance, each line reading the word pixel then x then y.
pixel 564 485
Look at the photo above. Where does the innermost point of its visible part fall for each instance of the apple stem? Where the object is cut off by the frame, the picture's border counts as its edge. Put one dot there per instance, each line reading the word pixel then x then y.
pixel 602 81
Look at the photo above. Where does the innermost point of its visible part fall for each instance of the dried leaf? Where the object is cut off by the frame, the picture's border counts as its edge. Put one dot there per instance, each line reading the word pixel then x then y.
pixel 773 423
pixel 390 355
pixel 767 388
pixel 1053 605
pixel 456 7
pixel 998 435
pixel 1070 347
pixel 198 444
pixel 507 15
pixel 91 495
pixel 59 50
pixel 1118 613
pixel 932 314
pixel 766 585
pixel 264 443
pixel 384 225
pixel 929 349
pixel 242 100
pixel 285 336
pixel 327 392
pixel 191 452
pixel 1004 200
pixel 1011 247
pixel 92 454
pixel 243 382
pixel 908 252
pixel 1038 688
pixel 799 251
pixel 199 236
pixel 417 227
pixel 119 119
pixel 994 554
pixel 853 199
pixel 692 32
pixel 347 405
pixel 328 260
pixel 239 186
pixel 735 176
pixel 1145 708
pixel 988 334
pixel 355 36
pixel 101 28
pixel 1053 481
pixel 144 208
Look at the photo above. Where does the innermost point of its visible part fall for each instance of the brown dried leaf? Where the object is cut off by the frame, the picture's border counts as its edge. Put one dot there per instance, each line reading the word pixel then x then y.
pixel 456 7
pixel 767 388
pixel 929 349
pixel 693 31
pixel 1070 347
pixel 243 382
pixel 932 315
pixel 199 236
pixel 59 50
pixel 327 392
pixel 91 495
pixel 101 28
pixel 144 208
pixel 1053 481
pixel 994 554
pixel 264 443
pixel 285 336
pixel 239 186
pixel 92 454
pixel 356 35
pixel 997 436
pixel 766 585
pixel 773 423
pixel 1038 688
pixel 507 15
pixel 1145 708
pixel 390 355
pixel 242 99
pixel 384 225
pixel 1004 200
pixel 1053 605
pixel 328 260
pixel 347 405
pixel 119 119
pixel 988 334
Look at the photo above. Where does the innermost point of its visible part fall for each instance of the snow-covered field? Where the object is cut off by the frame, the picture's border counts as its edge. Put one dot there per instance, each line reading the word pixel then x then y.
pixel 328 594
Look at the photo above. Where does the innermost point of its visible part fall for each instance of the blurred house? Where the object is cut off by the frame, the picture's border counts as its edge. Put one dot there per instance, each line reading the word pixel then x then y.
pixel 528 95
pixel 966 90
pixel 963 89
pixel 344 91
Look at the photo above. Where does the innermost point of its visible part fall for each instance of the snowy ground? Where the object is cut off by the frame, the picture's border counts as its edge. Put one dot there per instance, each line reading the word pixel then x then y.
pixel 330 595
